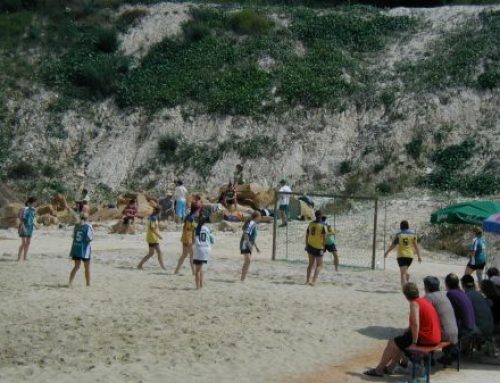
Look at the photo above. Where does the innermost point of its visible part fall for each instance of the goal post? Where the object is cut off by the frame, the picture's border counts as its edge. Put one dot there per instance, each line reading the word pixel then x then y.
pixel 354 218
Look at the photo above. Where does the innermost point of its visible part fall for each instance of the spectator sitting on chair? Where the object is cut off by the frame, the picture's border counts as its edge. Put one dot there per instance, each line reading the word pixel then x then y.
pixel 442 304
pixel 482 310
pixel 424 330
pixel 462 306
pixel 494 275
pixel 492 294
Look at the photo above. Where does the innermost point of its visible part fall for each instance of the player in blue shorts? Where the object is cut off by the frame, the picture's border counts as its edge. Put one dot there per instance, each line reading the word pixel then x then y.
pixel 81 251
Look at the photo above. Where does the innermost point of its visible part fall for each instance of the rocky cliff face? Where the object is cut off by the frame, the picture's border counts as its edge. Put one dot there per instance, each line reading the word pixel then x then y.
pixel 101 144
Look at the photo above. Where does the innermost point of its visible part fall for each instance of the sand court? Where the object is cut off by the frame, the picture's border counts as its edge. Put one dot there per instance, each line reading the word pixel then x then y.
pixel 152 326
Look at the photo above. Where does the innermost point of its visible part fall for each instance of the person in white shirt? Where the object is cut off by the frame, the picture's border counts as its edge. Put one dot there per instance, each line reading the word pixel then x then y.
pixel 202 245
pixel 180 201
pixel 284 202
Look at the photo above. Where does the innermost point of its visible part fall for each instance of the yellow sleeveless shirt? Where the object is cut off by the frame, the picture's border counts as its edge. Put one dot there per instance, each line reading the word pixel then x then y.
pixel 316 237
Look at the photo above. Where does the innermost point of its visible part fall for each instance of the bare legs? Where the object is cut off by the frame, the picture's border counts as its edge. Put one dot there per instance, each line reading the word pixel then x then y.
pixel 86 265
pixel 405 277
pixel 284 217
pixel 151 252
pixel 390 357
pixel 186 250
pixel 318 261
pixel 23 249
pixel 479 273
pixel 198 276
pixel 246 266
pixel 336 260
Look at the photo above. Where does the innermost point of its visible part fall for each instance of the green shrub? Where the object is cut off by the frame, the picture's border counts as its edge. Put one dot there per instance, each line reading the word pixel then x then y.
pixel 105 40
pixel 86 74
pixel 130 18
pixel 454 59
pixel 345 167
pixel 195 31
pixel 167 145
pixel 12 28
pixel 489 79
pixel 454 157
pixel 255 147
pixel 250 22
pixel 384 187
pixel 49 171
pixel 21 170
pixel 414 147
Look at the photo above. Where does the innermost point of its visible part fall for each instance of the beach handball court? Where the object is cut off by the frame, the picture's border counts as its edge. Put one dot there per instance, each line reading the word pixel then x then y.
pixel 153 326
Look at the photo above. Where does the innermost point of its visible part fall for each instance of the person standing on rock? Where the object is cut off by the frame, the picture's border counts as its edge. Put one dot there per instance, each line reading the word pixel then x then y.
pixel 27 216
pixel 153 238
pixel 81 251
pixel 284 202
pixel 238 175
pixel 187 238
pixel 406 242
pixel 180 195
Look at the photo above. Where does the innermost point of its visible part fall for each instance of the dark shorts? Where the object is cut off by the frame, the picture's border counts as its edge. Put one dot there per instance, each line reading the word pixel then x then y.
pixel 199 262
pixel 404 261
pixel 285 208
pixel 331 248
pixel 127 220
pixel 476 267
pixel 80 259
pixel 246 252
pixel 404 341
pixel 314 252
pixel 154 245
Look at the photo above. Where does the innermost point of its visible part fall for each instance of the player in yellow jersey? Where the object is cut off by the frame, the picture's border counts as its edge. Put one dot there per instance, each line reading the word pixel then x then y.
pixel 153 238
pixel 187 238
pixel 315 247
pixel 406 242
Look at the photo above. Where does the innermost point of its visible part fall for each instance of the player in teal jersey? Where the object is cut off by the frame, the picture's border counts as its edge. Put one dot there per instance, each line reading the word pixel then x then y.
pixel 27 219
pixel 81 251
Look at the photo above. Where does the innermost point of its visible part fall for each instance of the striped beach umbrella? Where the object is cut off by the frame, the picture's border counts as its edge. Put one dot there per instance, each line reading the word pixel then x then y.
pixel 492 224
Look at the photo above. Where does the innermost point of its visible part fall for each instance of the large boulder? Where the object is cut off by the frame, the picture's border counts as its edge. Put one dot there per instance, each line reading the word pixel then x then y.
pixel 7 196
pixel 9 215
pixel 46 209
pixel 106 214
pixel 58 201
pixel 255 195
pixel 121 228
pixel 48 220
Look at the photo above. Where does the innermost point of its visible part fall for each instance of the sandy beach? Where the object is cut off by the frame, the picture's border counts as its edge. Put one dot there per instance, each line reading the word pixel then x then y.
pixel 152 326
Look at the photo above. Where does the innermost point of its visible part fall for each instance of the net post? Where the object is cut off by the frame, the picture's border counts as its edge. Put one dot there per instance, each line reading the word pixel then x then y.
pixel 374 249
pixel 275 224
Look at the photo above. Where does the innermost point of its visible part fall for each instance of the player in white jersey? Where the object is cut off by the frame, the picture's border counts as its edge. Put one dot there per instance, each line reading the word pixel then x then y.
pixel 202 245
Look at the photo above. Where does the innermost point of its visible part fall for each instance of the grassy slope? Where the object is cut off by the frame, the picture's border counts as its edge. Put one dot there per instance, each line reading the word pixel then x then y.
pixel 321 60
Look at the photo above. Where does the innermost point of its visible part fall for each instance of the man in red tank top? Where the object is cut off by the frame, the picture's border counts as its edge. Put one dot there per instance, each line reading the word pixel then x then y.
pixel 424 330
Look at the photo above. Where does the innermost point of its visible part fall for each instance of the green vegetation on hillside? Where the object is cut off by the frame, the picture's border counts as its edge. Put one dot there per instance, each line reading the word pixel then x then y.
pixel 457 58
pixel 201 157
pixel 216 64
pixel 449 174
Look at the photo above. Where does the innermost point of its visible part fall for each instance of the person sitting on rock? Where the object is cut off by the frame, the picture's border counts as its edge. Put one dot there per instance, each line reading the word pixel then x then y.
pixel 130 212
